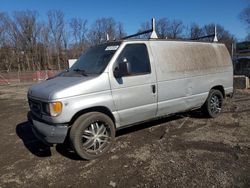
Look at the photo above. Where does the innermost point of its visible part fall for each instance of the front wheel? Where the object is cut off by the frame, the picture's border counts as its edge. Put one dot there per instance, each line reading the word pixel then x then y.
pixel 92 135
pixel 213 105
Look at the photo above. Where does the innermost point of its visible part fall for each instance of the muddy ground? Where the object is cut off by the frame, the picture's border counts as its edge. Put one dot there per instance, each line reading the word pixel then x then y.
pixel 185 150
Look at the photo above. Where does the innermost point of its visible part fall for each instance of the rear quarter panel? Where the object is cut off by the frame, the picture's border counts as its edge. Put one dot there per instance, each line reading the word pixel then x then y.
pixel 186 71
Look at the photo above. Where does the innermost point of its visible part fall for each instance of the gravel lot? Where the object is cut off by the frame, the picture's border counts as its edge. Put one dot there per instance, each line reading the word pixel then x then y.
pixel 184 150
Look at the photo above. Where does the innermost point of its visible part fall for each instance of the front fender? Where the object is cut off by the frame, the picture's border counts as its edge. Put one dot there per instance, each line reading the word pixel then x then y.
pixel 73 105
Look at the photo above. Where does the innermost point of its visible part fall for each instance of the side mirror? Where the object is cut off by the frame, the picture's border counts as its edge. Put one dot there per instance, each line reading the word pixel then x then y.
pixel 123 69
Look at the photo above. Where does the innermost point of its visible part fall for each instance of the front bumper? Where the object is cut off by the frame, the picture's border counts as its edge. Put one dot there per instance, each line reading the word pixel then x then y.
pixel 52 134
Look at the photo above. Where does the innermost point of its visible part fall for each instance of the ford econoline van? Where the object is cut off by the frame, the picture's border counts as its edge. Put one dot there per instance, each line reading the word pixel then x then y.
pixel 123 83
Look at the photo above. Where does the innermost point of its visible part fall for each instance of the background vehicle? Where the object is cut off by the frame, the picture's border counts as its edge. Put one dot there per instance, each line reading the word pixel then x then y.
pixel 242 66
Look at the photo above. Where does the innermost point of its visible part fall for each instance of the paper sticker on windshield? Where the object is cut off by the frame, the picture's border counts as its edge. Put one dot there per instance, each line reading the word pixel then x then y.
pixel 111 48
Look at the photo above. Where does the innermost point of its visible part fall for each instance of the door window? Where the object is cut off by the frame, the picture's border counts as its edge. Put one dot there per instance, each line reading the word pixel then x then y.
pixel 137 56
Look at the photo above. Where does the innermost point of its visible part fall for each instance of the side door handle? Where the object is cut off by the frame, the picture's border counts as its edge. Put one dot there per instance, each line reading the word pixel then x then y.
pixel 153 88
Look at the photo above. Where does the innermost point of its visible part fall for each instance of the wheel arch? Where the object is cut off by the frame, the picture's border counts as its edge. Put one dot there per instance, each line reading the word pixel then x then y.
pixel 220 88
pixel 101 109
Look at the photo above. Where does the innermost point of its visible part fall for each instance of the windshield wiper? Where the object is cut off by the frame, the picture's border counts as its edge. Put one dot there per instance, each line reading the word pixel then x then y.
pixel 83 72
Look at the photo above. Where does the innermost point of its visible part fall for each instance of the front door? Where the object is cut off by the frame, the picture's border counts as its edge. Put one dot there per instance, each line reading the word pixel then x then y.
pixel 135 95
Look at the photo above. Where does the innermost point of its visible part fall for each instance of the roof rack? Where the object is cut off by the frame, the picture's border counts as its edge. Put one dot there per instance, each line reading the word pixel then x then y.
pixel 154 35
pixel 203 37
pixel 152 31
pixel 208 36
pixel 138 34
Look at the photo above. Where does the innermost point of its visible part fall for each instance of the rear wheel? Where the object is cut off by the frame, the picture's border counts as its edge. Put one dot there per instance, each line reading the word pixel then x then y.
pixel 213 105
pixel 92 135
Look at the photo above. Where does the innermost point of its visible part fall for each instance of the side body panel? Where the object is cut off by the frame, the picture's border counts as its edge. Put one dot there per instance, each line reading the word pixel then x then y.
pixel 186 71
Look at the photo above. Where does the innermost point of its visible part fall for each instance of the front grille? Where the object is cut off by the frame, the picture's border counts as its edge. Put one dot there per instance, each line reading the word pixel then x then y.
pixel 35 107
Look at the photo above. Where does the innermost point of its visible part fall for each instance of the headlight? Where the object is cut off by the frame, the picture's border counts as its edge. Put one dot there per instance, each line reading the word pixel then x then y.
pixel 53 108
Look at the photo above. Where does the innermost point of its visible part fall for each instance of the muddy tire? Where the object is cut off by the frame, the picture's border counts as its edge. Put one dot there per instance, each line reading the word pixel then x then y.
pixel 214 103
pixel 92 135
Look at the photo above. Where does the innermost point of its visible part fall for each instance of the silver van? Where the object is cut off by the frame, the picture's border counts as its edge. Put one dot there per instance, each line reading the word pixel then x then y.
pixel 123 83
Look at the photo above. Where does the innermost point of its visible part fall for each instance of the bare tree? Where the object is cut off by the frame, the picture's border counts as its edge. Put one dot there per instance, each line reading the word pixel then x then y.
pixel 20 35
pixel 45 46
pixel 162 28
pixel 120 33
pixel 29 44
pixel 65 42
pixel 175 30
pixel 27 30
pixel 6 55
pixel 100 29
pixel 2 28
pixel 145 26
pixel 195 31
pixel 247 38
pixel 56 25
pixel 245 16
pixel 11 45
pixel 79 30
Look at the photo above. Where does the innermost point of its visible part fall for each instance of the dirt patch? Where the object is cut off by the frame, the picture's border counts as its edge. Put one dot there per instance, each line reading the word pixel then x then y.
pixel 185 150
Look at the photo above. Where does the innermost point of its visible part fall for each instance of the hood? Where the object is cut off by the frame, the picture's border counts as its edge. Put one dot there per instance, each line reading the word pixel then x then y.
pixel 62 87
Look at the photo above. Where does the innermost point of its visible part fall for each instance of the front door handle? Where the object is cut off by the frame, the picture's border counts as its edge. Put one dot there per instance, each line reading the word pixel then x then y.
pixel 153 88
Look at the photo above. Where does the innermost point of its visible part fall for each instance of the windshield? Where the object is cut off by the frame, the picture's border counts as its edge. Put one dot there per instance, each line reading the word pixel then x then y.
pixel 94 60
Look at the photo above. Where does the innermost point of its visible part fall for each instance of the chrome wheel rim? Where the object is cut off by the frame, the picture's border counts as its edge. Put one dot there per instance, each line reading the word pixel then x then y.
pixel 215 104
pixel 96 137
